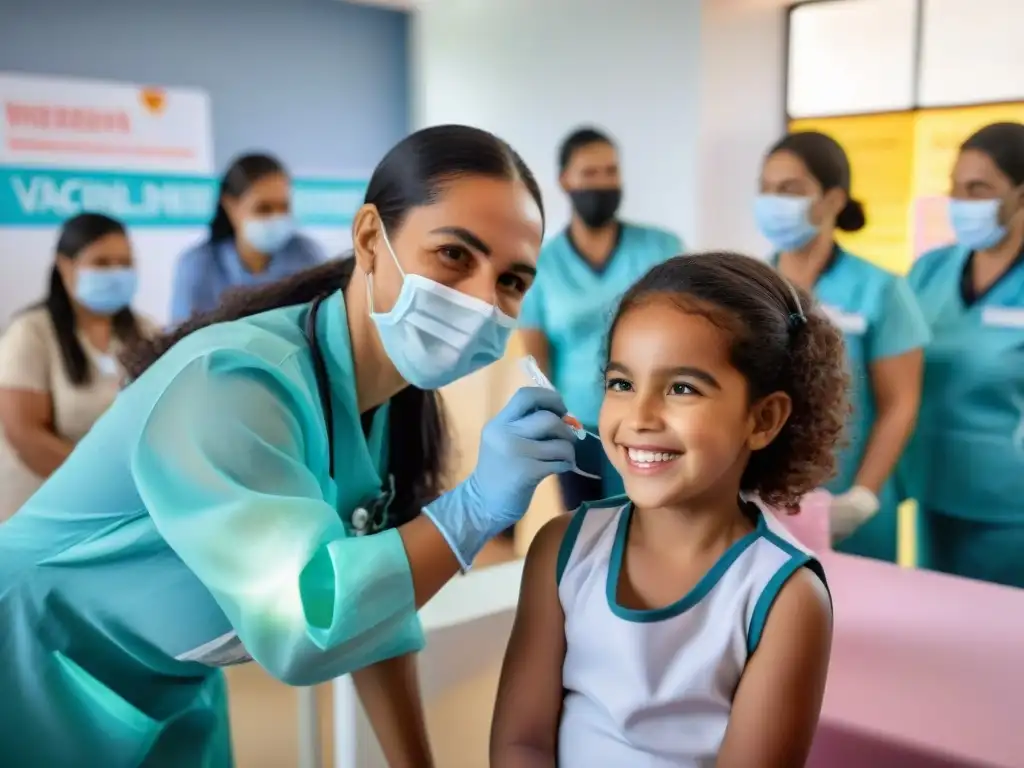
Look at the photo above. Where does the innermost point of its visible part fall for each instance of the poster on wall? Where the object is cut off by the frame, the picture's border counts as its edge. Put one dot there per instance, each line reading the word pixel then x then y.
pixel 938 134
pixel 880 149
pixel 139 153
pixel 66 145
pixel 72 123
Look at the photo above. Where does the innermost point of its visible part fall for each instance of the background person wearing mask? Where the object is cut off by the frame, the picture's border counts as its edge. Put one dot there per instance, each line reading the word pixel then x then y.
pixel 222 511
pixel 965 465
pixel 583 272
pixel 805 197
pixel 252 239
pixel 58 359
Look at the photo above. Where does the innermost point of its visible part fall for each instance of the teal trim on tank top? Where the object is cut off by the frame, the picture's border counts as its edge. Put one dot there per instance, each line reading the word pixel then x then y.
pixel 694 596
pixel 797 559
pixel 573 530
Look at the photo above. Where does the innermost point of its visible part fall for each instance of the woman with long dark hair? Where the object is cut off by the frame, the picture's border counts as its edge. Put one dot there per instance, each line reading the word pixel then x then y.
pixel 256 492
pixel 252 238
pixel 58 359
pixel 805 199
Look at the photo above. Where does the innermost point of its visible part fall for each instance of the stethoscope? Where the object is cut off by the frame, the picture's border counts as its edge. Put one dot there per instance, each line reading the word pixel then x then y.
pixel 374 516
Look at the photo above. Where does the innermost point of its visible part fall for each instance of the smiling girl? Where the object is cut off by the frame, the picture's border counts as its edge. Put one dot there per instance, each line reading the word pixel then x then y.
pixel 680 625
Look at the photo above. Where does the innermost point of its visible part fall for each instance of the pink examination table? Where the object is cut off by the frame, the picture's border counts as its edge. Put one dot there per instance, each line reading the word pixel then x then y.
pixel 927 669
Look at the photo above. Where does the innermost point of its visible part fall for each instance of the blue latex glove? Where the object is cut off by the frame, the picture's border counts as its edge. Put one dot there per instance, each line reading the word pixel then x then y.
pixel 526 442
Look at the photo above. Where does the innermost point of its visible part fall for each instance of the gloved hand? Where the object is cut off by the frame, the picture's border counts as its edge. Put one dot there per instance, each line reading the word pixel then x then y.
pixel 848 511
pixel 523 444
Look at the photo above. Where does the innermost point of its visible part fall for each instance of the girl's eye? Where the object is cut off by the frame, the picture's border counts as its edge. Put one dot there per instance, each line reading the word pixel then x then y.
pixel 513 283
pixel 679 388
pixel 618 385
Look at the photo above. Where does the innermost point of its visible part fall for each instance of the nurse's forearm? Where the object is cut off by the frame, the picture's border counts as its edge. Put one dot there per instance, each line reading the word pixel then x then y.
pixel 40 450
pixel 889 435
pixel 390 694
pixel 431 559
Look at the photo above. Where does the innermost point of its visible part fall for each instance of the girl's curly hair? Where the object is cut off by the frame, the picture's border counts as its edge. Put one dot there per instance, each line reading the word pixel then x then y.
pixel 781 342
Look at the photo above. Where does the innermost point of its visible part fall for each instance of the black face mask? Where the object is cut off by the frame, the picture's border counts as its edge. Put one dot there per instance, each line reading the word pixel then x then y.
pixel 596 207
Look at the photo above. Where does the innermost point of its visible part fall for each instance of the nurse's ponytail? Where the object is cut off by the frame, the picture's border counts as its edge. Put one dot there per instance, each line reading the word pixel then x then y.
pixel 412 174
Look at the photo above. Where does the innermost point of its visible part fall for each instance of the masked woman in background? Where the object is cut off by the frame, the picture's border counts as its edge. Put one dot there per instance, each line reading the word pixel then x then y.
pixel 58 359
pixel 583 272
pixel 965 465
pixel 805 198
pixel 252 239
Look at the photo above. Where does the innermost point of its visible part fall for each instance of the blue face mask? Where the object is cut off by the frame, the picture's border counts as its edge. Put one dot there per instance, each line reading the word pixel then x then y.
pixel 435 334
pixel 976 223
pixel 784 221
pixel 268 235
pixel 105 291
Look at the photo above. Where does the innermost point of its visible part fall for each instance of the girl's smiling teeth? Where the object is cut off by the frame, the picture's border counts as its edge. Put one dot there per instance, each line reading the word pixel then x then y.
pixel 643 458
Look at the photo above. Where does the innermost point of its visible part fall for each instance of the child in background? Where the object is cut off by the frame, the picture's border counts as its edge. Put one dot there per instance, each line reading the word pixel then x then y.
pixel 681 625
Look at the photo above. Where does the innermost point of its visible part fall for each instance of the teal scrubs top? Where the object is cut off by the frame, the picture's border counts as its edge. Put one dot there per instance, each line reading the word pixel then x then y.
pixel 879 318
pixel 967 457
pixel 196 526
pixel 205 271
pixel 572 302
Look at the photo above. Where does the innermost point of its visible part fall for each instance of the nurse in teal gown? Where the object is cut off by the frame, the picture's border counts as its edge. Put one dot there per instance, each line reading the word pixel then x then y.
pixel 584 271
pixel 255 493
pixel 805 197
pixel 965 465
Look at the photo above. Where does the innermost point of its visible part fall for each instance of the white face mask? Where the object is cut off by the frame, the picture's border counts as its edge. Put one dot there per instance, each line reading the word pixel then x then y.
pixel 435 334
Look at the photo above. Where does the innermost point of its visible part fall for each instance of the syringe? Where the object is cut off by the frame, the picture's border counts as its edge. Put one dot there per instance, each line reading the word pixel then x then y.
pixel 533 372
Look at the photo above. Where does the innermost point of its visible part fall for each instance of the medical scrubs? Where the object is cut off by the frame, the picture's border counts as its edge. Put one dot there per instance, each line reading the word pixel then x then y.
pixel 196 526
pixel 965 465
pixel 204 273
pixel 571 303
pixel 879 318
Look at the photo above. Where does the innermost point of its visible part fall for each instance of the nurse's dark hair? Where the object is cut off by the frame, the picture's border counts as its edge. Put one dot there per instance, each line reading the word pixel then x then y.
pixel 1004 144
pixel 826 161
pixel 414 173
pixel 577 140
pixel 778 344
pixel 242 173
pixel 77 234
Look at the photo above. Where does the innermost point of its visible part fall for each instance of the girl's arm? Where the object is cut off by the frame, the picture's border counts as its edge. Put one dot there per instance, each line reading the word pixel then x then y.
pixel 896 383
pixel 525 729
pixel 390 693
pixel 776 706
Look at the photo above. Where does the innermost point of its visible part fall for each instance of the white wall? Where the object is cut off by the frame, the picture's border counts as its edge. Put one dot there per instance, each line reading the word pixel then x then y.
pixel 532 70
pixel 742 77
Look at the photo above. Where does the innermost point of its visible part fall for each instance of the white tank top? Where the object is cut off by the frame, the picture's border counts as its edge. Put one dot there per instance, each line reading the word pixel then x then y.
pixel 653 689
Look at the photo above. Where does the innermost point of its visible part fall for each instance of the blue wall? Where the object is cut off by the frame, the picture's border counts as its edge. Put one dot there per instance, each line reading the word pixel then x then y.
pixel 321 83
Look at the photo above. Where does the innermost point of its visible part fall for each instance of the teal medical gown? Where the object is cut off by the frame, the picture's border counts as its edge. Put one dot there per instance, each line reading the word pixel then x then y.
pixel 197 526
pixel 879 318
pixel 572 303
pixel 965 465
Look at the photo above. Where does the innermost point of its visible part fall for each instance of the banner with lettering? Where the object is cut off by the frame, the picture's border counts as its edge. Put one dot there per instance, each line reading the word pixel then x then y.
pixel 141 154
